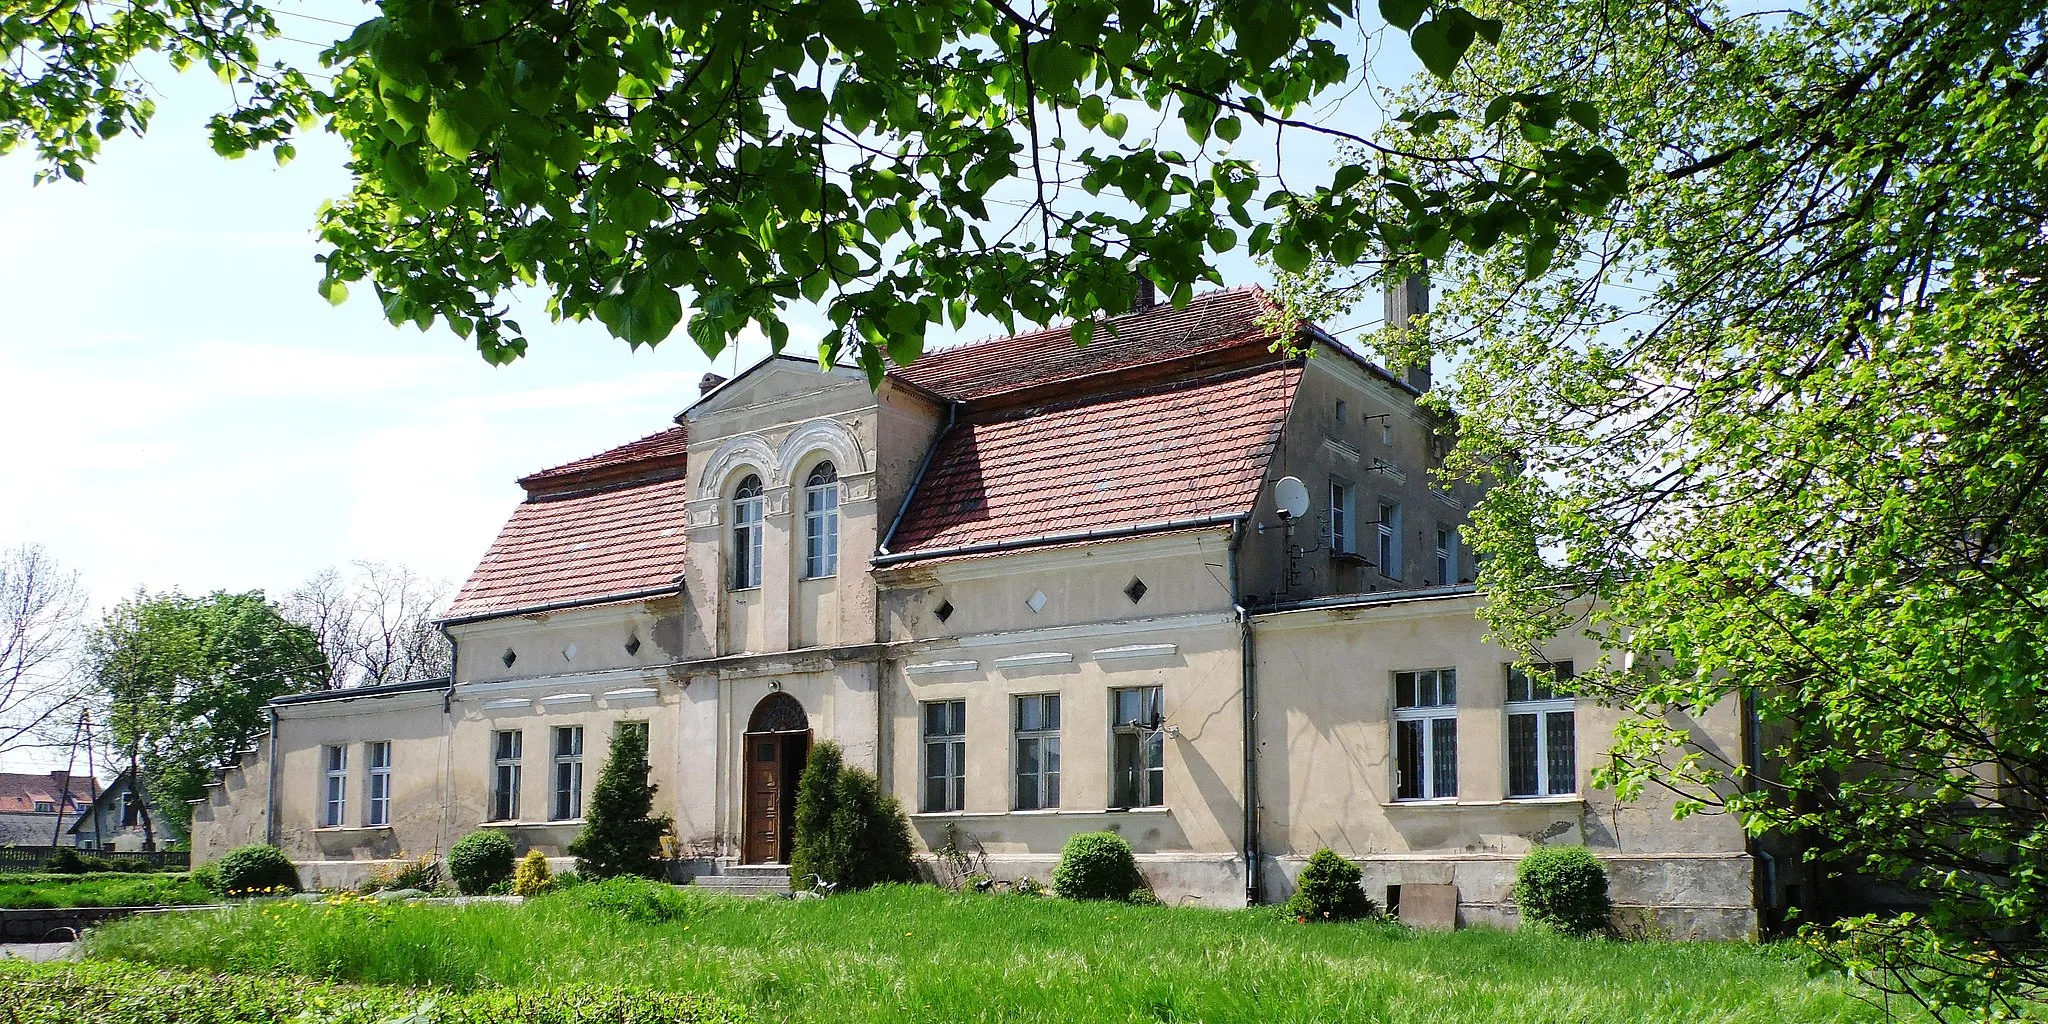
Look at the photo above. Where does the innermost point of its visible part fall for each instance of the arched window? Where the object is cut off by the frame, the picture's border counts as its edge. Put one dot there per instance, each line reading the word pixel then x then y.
pixel 746 534
pixel 821 522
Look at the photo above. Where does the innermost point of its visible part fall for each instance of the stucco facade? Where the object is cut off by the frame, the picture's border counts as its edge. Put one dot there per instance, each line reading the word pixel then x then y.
pixel 1037 593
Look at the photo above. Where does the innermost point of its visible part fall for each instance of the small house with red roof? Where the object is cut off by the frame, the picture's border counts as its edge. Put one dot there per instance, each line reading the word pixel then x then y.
pixel 1196 582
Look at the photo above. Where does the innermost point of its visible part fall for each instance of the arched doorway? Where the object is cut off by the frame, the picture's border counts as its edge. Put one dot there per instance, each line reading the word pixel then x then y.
pixel 777 742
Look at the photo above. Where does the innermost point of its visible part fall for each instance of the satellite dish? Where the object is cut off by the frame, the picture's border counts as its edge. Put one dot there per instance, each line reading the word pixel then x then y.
pixel 1290 495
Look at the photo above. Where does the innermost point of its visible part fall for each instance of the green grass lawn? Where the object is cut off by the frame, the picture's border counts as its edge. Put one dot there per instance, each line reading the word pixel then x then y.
pixel 100 890
pixel 924 954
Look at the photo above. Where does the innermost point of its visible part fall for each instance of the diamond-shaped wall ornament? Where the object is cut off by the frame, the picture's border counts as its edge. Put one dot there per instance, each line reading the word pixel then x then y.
pixel 1037 602
pixel 944 611
pixel 509 657
pixel 632 645
pixel 1135 590
pixel 569 653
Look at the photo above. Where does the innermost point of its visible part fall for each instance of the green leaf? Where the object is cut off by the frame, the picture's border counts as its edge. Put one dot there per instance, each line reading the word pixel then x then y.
pixel 1583 114
pixel 459 121
pixel 1291 257
pixel 645 314
pixel 1347 177
pixel 1228 128
pixel 1403 14
pixel 807 109
pixel 333 291
pixel 1440 44
pixel 1115 124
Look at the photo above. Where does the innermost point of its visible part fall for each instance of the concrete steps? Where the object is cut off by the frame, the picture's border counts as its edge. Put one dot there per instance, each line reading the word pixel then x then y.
pixel 747 880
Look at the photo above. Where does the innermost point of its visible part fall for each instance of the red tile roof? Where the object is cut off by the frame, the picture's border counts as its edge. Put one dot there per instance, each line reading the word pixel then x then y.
pixel 1181 451
pixel 19 793
pixel 1211 322
pixel 635 459
pixel 599 527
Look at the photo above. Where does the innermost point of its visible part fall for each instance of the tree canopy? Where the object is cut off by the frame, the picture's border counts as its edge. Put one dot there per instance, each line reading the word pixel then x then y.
pixel 903 164
pixel 1784 414
pixel 185 680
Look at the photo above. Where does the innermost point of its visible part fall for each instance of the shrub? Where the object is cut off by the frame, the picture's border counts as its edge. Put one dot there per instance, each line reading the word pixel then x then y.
pixel 208 876
pixel 619 836
pixel 63 992
pixel 847 830
pixel 635 899
pixel 481 860
pixel 1096 866
pixel 532 876
pixel 1563 888
pixel 1328 890
pixel 66 862
pixel 1028 886
pixel 257 867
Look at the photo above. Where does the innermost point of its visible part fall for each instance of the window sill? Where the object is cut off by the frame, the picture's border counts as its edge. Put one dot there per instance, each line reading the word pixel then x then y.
pixel 1042 812
pixel 1515 801
pixel 352 828
pixel 524 823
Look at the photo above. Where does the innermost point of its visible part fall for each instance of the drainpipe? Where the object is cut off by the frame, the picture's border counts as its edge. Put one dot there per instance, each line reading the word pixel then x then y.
pixel 270 795
pixel 1249 702
pixel 447 743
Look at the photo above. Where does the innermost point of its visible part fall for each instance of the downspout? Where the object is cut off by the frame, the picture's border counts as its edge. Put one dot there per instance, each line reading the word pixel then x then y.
pixel 447 743
pixel 1249 671
pixel 270 795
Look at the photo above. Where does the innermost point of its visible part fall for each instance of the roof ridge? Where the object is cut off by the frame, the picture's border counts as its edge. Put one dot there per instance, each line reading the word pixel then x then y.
pixel 1068 325
pixel 1004 414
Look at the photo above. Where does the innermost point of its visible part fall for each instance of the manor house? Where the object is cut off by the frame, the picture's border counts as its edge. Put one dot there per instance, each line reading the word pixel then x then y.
pixel 1038 589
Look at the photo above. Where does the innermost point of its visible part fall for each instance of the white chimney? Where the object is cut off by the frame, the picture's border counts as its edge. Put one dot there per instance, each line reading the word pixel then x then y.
pixel 1407 299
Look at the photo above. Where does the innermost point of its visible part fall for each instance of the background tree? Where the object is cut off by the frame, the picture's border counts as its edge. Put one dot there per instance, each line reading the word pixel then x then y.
pixel 40 686
pixel 375 623
pixel 620 835
pixel 184 681
pixel 621 157
pixel 1785 415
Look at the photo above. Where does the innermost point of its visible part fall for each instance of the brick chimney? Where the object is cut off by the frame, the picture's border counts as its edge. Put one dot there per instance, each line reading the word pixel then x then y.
pixel 710 382
pixel 1406 300
pixel 1147 295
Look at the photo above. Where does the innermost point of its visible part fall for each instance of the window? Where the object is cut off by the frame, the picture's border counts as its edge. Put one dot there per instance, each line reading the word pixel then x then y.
pixel 1038 751
pixel 639 727
pixel 379 811
pixel 337 786
pixel 46 807
pixel 945 755
pixel 1387 432
pixel 821 522
pixel 131 810
pixel 1390 539
pixel 1138 748
pixel 506 747
pixel 746 534
pixel 1426 734
pixel 1542 732
pixel 1446 556
pixel 1343 411
pixel 1341 539
pixel 568 773
pixel 85 844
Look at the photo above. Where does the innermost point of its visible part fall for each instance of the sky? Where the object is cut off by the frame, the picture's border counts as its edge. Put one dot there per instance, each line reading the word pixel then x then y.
pixel 180 409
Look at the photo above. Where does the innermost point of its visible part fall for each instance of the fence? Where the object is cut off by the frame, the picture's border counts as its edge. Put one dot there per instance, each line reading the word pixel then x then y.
pixel 32 858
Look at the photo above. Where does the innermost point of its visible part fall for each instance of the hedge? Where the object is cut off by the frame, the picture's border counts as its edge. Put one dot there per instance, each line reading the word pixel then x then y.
pixel 1097 866
pixel 67 993
pixel 481 860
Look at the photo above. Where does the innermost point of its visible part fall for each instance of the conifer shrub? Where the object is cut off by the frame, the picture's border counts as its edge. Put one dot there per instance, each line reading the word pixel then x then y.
pixel 1096 866
pixel 1328 890
pixel 481 860
pixel 620 835
pixel 848 831
pixel 533 876
pixel 257 868
pixel 1563 888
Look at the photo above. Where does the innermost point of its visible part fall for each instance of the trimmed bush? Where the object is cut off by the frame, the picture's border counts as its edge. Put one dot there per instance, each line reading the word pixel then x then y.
pixel 65 993
pixel 1563 888
pixel 848 831
pixel 257 868
pixel 1328 890
pixel 1096 866
pixel 481 860
pixel 620 836
pixel 208 876
pixel 533 876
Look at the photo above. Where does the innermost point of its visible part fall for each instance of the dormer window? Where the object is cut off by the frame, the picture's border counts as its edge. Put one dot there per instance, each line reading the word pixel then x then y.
pixel 821 522
pixel 746 534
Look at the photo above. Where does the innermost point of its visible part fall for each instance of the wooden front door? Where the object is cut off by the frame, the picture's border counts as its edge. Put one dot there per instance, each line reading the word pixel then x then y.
pixel 765 839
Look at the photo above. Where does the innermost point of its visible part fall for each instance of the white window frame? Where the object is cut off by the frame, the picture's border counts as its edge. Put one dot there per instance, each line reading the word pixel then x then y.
pixel 1045 743
pixel 1529 697
pixel 505 773
pixel 821 522
pixel 566 782
pixel 1389 553
pixel 1343 499
pixel 749 502
pixel 945 755
pixel 335 758
pixel 377 783
pixel 1446 555
pixel 1427 708
pixel 1149 738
